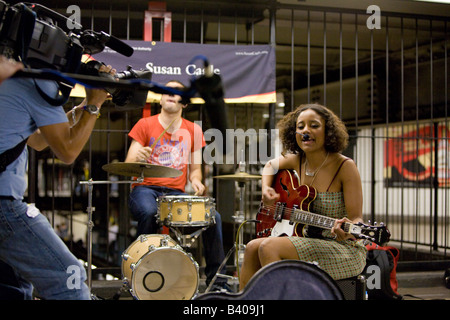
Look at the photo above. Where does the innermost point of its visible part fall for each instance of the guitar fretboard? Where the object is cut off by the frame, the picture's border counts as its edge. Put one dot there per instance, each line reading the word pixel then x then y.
pixel 306 217
pixel 315 220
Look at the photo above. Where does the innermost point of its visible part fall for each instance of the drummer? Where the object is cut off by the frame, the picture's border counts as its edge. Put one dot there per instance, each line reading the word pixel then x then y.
pixel 179 147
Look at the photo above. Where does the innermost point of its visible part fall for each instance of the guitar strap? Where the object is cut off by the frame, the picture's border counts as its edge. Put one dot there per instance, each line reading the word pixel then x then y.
pixel 337 171
pixel 7 157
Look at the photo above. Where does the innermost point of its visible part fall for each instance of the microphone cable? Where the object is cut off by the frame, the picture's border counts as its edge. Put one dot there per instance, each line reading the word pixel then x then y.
pixel 236 244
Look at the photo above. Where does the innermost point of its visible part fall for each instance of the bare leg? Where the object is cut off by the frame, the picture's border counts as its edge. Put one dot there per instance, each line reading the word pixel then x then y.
pixel 276 249
pixel 251 262
pixel 262 251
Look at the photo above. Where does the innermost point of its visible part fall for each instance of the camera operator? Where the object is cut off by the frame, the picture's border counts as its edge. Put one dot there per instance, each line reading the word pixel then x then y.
pixel 29 246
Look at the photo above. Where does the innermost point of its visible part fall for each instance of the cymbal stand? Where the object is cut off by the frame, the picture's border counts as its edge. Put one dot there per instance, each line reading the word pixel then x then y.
pixel 90 224
pixel 239 218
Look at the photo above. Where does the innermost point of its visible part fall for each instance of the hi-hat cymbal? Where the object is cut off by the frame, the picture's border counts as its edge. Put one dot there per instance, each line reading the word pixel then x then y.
pixel 239 177
pixel 141 169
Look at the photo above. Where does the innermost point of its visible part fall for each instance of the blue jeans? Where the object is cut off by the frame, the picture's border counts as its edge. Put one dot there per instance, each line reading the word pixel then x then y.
pixel 143 207
pixel 32 251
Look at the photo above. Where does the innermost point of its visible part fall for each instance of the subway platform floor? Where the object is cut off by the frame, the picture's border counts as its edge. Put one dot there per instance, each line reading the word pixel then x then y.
pixel 423 285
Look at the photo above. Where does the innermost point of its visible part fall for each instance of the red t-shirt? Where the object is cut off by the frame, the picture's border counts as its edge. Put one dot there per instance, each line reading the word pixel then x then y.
pixel 172 150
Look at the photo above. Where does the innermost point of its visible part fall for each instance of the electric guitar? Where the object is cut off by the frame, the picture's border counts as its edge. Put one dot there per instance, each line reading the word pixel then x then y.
pixel 291 215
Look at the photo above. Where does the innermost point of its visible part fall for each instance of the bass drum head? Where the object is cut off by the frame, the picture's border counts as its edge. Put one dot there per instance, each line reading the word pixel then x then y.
pixel 165 274
pixel 140 247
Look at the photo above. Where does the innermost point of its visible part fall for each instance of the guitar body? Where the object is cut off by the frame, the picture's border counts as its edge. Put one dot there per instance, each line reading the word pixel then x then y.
pixel 291 215
pixel 292 195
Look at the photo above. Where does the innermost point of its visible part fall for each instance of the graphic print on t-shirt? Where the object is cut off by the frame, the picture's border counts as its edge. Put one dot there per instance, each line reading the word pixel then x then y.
pixel 170 153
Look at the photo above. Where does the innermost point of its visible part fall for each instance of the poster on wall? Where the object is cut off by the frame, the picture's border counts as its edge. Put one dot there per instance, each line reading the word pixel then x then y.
pixel 417 156
pixel 247 71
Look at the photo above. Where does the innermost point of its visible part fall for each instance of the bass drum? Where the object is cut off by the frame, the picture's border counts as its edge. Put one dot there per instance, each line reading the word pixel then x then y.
pixel 154 267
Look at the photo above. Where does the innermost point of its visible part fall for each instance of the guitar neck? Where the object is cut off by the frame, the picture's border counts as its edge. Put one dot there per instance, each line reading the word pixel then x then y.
pixel 279 219
pixel 316 220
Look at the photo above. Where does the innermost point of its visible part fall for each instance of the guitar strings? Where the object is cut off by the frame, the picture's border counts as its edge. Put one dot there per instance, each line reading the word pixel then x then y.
pixel 366 230
pixel 315 217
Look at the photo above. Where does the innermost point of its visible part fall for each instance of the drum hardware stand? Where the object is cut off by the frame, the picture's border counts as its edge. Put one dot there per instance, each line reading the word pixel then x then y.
pixel 218 274
pixel 239 219
pixel 230 252
pixel 118 294
pixel 186 241
pixel 90 223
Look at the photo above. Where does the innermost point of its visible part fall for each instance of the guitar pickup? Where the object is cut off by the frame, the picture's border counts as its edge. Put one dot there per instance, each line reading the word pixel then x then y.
pixel 279 211
pixel 291 216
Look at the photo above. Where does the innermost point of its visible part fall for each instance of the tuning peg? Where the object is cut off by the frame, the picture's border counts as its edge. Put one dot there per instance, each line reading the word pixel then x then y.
pixel 363 236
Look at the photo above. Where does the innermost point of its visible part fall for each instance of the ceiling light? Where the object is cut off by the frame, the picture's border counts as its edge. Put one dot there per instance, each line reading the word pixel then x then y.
pixel 436 1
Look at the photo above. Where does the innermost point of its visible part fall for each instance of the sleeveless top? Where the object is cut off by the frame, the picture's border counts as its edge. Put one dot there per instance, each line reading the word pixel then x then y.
pixel 340 259
pixel 330 204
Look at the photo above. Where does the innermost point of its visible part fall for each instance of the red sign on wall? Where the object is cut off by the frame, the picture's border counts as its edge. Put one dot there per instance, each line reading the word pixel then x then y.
pixel 416 155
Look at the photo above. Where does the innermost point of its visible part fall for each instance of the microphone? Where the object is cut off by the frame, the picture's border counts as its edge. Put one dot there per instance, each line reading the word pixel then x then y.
pixel 305 136
pixel 119 46
pixel 95 42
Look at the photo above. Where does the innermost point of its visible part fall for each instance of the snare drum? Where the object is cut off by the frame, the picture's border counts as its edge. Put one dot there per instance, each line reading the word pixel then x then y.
pixel 186 211
pixel 154 267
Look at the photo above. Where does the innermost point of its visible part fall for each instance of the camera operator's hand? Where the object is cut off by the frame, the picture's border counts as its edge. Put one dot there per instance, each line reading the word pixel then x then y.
pixel 98 96
pixel 8 67
pixel 67 139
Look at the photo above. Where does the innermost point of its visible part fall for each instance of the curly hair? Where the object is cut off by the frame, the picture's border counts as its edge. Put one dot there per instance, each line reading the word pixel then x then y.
pixel 336 136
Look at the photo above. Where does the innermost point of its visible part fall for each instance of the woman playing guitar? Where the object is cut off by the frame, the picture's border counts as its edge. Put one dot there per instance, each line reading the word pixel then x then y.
pixel 313 138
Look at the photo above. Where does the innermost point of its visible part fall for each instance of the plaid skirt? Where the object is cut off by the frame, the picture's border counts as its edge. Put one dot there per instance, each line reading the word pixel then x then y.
pixel 340 259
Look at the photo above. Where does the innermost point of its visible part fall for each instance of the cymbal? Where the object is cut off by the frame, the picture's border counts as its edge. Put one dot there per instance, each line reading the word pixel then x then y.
pixel 138 169
pixel 239 177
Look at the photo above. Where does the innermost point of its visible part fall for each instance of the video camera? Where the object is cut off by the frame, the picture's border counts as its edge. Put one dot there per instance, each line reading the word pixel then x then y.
pixel 53 45
pixel 124 98
pixel 41 39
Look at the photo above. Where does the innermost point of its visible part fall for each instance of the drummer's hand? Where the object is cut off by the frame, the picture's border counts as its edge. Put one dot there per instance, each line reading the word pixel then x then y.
pixel 198 187
pixel 143 154
pixel 269 195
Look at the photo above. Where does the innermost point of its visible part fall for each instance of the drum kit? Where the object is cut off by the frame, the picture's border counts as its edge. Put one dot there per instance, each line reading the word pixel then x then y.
pixel 154 266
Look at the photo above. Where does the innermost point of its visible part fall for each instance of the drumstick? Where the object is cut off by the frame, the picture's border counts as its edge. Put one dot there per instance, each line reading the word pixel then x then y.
pixel 160 136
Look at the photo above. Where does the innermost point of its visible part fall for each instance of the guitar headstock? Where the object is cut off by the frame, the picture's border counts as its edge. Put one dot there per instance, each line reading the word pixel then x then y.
pixel 378 234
